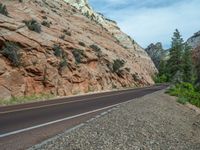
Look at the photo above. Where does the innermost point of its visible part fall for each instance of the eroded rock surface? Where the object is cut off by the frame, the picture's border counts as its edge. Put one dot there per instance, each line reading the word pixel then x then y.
pixel 60 60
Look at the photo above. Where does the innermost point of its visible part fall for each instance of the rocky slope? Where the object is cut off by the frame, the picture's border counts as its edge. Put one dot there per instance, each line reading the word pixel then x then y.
pixel 157 53
pixel 194 41
pixel 66 49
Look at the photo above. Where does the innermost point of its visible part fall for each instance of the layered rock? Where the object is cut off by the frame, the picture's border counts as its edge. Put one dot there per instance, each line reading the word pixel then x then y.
pixel 157 53
pixel 72 54
pixel 194 41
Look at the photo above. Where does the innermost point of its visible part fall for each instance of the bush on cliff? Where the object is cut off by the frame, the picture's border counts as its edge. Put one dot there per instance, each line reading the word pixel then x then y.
pixel 3 9
pixel 11 51
pixel 33 25
pixel 117 65
pixel 78 55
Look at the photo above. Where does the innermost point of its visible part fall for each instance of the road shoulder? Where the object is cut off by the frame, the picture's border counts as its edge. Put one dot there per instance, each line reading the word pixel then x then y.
pixel 155 121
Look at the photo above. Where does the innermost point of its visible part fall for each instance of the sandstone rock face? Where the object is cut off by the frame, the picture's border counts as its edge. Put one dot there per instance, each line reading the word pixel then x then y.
pixel 62 59
pixel 194 41
pixel 157 53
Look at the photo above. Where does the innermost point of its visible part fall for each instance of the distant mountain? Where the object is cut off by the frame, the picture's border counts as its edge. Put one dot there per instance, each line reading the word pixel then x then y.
pixel 157 53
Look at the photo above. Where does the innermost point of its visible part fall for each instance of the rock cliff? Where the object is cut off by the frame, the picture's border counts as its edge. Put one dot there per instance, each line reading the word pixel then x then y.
pixel 65 48
pixel 194 41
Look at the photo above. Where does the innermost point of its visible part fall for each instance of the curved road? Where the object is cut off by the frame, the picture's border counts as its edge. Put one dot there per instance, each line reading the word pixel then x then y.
pixel 52 117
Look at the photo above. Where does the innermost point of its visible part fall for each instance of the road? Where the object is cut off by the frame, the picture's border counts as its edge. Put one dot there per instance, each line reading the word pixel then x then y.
pixel 22 126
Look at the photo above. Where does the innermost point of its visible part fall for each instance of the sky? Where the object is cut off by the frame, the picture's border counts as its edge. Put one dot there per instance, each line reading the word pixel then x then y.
pixel 151 21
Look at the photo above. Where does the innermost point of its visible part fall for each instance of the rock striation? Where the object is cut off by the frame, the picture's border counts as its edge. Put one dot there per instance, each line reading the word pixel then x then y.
pixel 64 48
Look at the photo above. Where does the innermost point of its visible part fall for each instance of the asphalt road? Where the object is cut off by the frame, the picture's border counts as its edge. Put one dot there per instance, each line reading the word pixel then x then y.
pixel 25 120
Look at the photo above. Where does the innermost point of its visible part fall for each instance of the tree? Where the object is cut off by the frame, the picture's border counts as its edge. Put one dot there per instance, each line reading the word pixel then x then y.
pixel 188 68
pixel 175 66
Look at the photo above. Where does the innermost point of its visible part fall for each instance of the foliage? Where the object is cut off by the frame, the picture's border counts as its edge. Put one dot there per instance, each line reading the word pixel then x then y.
pixel 179 67
pixel 176 52
pixel 187 92
pixel 62 37
pixel 58 51
pixel 117 65
pixel 63 63
pixel 96 49
pixel 82 44
pixel 160 78
pixel 67 32
pixel 46 23
pixel 11 51
pixel 187 64
pixel 33 25
pixel 3 9
pixel 78 55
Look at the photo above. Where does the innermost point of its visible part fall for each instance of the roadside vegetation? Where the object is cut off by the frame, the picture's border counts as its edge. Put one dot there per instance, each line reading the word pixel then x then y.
pixel 26 99
pixel 3 10
pixel 180 71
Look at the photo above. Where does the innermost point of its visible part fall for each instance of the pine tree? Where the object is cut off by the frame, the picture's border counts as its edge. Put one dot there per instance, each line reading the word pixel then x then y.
pixel 175 66
pixel 187 64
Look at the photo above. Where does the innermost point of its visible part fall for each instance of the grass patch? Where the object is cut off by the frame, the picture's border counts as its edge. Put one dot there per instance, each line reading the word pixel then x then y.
pixel 185 92
pixel 26 99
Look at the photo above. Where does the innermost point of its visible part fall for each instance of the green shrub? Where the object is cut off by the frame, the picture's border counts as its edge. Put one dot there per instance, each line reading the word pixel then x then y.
pixel 82 44
pixel 63 63
pixel 44 17
pixel 160 78
pixel 187 91
pixel 62 37
pixel 117 65
pixel 46 23
pixel 20 1
pixel 182 100
pixel 58 51
pixel 67 32
pixel 3 9
pixel 33 25
pixel 11 51
pixel 78 55
pixel 96 49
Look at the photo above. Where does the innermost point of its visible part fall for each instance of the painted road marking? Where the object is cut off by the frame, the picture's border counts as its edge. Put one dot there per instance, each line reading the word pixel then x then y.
pixel 59 120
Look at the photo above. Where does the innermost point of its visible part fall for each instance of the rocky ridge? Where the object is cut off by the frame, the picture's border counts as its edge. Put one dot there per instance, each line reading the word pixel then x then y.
pixel 53 47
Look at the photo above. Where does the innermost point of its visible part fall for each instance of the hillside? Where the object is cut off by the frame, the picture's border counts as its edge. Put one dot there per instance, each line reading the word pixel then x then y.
pixel 57 48
pixel 194 42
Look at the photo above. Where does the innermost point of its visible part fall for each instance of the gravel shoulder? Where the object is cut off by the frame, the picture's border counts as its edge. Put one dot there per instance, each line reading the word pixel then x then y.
pixel 155 121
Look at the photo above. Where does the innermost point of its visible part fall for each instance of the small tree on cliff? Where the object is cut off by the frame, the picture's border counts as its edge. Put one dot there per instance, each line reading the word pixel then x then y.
pixel 175 65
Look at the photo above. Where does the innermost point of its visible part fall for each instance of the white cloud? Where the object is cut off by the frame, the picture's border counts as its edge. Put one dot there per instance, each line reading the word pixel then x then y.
pixel 156 23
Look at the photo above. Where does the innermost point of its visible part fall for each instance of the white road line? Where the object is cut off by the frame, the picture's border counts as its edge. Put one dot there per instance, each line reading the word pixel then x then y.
pixel 59 120
pixel 53 122
pixel 37 107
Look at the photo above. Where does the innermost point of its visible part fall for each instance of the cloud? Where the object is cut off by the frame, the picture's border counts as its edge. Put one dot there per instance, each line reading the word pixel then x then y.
pixel 150 21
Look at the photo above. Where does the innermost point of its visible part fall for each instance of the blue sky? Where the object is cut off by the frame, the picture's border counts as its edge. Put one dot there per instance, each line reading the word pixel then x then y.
pixel 150 21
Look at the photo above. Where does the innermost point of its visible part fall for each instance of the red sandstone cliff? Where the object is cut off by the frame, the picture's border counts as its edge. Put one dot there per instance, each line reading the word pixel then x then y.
pixel 72 53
